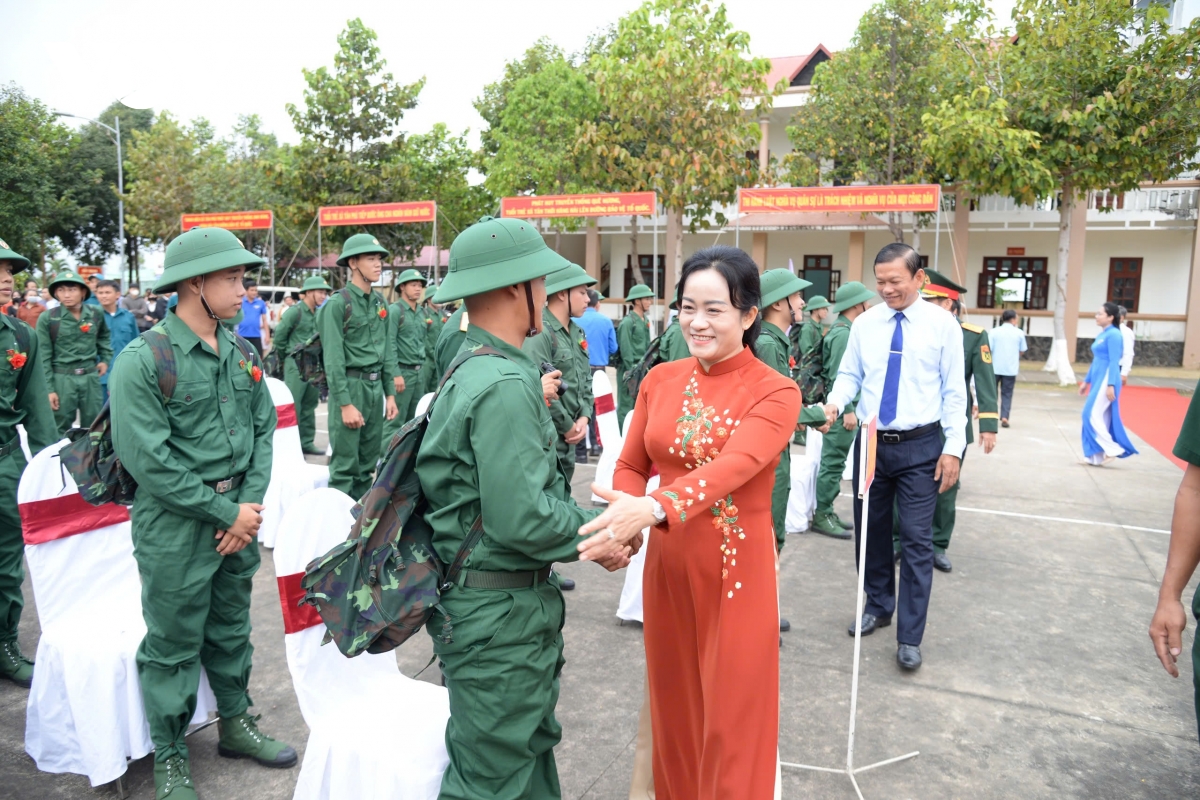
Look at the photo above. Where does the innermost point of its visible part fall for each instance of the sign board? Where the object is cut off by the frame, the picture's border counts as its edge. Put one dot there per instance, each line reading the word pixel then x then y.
pixel 84 272
pixel 230 220
pixel 866 455
pixel 378 214
pixel 867 199
pixel 1016 251
pixel 614 204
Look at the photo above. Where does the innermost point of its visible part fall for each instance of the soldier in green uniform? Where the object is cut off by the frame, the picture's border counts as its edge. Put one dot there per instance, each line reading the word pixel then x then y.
pixel 673 346
pixel 633 337
pixel 76 350
pixel 806 338
pixel 851 300
pixel 297 326
pixel 359 367
pixel 489 453
pixel 202 460
pixel 407 325
pixel 22 402
pixel 434 322
pixel 450 338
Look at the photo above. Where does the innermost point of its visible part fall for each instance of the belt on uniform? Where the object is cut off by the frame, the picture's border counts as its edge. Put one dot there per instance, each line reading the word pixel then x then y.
pixel 478 579
pixel 10 447
pixel 226 485
pixel 413 367
pixel 895 437
pixel 83 371
pixel 364 374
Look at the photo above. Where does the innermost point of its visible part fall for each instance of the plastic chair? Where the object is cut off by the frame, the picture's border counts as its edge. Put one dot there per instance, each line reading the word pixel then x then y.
pixel 291 475
pixel 630 605
pixel 403 757
pixel 85 712
pixel 609 432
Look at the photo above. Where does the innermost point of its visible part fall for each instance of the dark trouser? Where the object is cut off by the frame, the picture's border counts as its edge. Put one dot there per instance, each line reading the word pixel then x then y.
pixel 12 546
pixel 356 450
pixel 904 480
pixel 1006 383
pixel 581 449
pixel 257 342
pixel 944 516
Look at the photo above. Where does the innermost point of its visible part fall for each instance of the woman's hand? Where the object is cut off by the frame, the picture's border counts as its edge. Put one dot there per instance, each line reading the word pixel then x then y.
pixel 1110 393
pixel 623 520
pixel 1084 388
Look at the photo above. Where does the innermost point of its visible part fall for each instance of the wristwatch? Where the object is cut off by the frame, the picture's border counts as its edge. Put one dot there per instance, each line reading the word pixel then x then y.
pixel 660 513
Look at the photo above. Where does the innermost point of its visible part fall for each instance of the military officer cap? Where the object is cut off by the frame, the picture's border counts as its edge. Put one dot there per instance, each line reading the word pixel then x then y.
pixel 638 292
pixel 851 294
pixel 315 282
pixel 360 244
pixel 7 254
pixel 65 276
pixel 410 275
pixel 938 285
pixel 816 303
pixel 780 283
pixel 199 252
pixel 568 277
pixel 494 253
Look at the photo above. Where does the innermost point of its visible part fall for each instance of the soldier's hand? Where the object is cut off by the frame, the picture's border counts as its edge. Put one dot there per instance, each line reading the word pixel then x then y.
pixel 390 409
pixel 398 382
pixel 824 429
pixel 101 368
pixel 54 401
pixel 947 472
pixel 635 545
pixel 616 561
pixel 974 412
pixel 624 519
pixel 352 418
pixel 550 384
pixel 987 441
pixel 831 412
pixel 849 421
pixel 1166 631
pixel 243 529
pixel 577 432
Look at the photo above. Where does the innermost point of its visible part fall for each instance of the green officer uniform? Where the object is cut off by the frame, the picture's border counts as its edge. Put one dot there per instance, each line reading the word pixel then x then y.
pixel 633 338
pixel 434 322
pixel 1187 448
pixel 489 452
pixel 407 333
pixel 563 347
pixel 359 367
pixel 450 339
pixel 297 326
pixel 195 457
pixel 71 350
pixel 22 402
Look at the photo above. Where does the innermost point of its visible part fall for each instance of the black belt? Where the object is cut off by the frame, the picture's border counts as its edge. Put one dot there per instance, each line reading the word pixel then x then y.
pixel 478 579
pixel 413 367
pixel 10 447
pixel 226 485
pixel 364 374
pixel 895 437
pixel 83 371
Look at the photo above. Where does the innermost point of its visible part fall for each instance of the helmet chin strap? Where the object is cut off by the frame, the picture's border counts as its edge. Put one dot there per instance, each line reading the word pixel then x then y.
pixel 203 302
pixel 533 328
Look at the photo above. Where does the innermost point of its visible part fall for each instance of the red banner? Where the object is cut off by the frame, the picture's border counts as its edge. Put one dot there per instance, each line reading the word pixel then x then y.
pixel 616 204
pixel 230 220
pixel 920 197
pixel 85 271
pixel 378 214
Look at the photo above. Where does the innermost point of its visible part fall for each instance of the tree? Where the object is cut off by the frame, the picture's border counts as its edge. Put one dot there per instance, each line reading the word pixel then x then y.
pixel 1085 97
pixel 676 80
pixel 494 100
pixel 439 164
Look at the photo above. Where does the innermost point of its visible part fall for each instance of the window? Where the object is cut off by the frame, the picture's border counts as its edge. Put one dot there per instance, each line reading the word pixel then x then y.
pixel 1125 282
pixel 645 262
pixel 1014 279
pixel 824 278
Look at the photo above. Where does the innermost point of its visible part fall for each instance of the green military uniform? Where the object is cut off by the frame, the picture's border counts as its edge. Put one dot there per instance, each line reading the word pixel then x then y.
pixel 22 402
pixel 633 338
pixel 297 326
pixel 450 339
pixel 359 367
pixel 489 452
pixel 434 322
pixel 563 347
pixel 407 331
pixel 806 341
pixel 71 350
pixel 195 457
pixel 1187 448
pixel 673 346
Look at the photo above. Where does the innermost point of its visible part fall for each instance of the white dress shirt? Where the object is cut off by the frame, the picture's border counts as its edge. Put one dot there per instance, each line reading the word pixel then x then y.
pixel 932 383
pixel 1127 355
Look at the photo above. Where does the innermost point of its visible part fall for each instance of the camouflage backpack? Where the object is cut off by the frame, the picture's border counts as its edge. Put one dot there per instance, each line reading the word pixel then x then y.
pixel 273 364
pixel 809 377
pixel 382 585
pixel 90 457
pixel 310 355
pixel 652 358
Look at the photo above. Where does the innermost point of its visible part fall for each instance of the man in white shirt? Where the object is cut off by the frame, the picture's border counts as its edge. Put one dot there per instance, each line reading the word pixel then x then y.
pixel 905 361
pixel 1008 342
pixel 1127 354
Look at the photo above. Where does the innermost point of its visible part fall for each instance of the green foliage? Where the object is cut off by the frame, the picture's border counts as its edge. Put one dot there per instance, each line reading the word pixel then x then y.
pixel 439 163
pixel 494 100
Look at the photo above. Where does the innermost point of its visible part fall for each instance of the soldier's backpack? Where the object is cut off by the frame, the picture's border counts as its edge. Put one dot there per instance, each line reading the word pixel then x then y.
pixel 652 358
pixel 90 458
pixel 380 586
pixel 56 315
pixel 310 355
pixel 810 380
pixel 273 364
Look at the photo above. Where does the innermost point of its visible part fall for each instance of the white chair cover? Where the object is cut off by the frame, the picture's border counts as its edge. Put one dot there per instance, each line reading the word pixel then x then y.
pixel 85 712
pixel 291 475
pixel 802 497
pixel 610 432
pixel 630 605
pixel 423 404
pixel 403 755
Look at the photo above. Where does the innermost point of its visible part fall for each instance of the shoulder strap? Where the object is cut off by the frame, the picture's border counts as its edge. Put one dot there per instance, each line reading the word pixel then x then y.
pixel 55 322
pixel 249 354
pixel 21 332
pixel 164 360
pixel 345 293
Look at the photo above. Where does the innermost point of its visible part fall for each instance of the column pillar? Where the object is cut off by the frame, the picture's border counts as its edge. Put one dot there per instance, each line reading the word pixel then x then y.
pixel 591 249
pixel 764 151
pixel 1075 270
pixel 961 234
pixel 854 257
pixel 1191 331
pixel 758 250
pixel 673 245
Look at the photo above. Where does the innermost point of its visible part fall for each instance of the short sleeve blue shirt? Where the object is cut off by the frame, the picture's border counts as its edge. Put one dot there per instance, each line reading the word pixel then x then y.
pixel 251 325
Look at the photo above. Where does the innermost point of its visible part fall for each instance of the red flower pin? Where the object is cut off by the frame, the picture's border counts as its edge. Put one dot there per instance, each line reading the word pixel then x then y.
pixel 382 312
pixel 17 360
pixel 85 327
pixel 792 362
pixel 583 343
pixel 254 371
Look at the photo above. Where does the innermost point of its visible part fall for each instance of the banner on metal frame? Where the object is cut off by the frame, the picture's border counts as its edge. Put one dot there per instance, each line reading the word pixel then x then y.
pixel 867 199
pixel 614 204
pixel 378 214
pixel 230 220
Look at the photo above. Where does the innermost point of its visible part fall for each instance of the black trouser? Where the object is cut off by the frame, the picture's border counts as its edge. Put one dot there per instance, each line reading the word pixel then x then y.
pixel 904 481
pixel 257 342
pixel 581 449
pixel 1006 383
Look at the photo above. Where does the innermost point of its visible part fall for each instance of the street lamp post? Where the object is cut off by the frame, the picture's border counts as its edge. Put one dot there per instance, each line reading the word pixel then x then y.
pixel 120 182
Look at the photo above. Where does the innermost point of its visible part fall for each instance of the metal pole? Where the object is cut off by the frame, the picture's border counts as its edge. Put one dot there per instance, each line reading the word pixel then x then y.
pixel 737 234
pixel 273 249
pixel 937 235
pixel 121 201
pixel 320 265
pixel 661 316
pixel 436 260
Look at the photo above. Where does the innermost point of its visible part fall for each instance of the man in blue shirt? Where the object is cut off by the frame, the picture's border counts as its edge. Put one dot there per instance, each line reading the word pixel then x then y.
pixel 253 327
pixel 601 345
pixel 1008 342
pixel 92 282
pixel 122 326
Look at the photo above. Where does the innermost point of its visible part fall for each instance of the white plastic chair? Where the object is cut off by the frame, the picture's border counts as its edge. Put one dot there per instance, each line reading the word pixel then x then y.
pixel 401 759
pixel 85 713
pixel 630 605
pixel 610 432
pixel 291 475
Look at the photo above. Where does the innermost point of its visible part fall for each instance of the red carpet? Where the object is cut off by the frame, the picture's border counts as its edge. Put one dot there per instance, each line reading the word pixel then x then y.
pixel 1156 415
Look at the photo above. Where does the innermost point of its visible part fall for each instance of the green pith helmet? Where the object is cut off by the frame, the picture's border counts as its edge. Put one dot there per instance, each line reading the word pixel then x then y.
pixel 850 295
pixel 315 282
pixel 428 293
pixel 638 292
pixel 358 245
pixel 936 285
pixel 494 253
pixel 201 251
pixel 816 303
pixel 66 276
pixel 410 275
pixel 568 277
pixel 6 254
pixel 780 283
pixel 675 302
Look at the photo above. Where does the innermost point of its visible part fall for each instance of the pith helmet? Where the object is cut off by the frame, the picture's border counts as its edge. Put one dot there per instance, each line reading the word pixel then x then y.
pixel 65 276
pixel 410 275
pixel 568 277
pixel 6 254
pixel 816 303
pixel 494 253
pixel 850 295
pixel 199 252
pixel 780 283
pixel 638 292
pixel 360 244
pixel 315 282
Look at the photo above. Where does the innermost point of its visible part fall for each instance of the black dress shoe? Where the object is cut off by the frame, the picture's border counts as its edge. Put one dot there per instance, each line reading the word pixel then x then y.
pixel 908 656
pixel 869 623
pixel 581 459
pixel 566 584
pixel 784 625
pixel 942 563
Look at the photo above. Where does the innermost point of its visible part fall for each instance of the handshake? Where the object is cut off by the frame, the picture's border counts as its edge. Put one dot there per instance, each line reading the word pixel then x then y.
pixel 823 417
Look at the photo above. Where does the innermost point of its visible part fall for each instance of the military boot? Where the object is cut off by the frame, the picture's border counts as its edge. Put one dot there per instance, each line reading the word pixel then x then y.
pixel 14 666
pixel 241 738
pixel 173 780
pixel 847 525
pixel 828 525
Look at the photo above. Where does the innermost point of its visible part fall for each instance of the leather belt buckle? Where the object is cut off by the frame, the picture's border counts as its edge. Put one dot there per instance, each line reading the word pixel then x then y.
pixel 223 486
pixel 81 372
pixel 890 437
pixel 372 376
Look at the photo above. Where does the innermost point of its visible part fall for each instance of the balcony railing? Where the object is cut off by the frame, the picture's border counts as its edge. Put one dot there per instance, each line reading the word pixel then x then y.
pixel 1179 202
